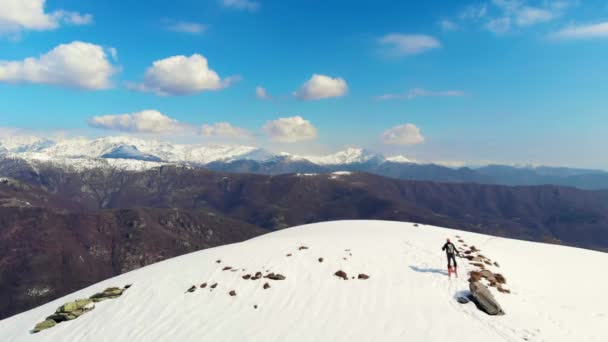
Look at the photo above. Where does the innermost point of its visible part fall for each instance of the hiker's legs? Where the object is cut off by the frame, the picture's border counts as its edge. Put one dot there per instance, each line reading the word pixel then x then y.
pixel 450 260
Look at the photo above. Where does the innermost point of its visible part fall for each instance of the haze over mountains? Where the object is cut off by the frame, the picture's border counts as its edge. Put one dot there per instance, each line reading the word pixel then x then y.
pixel 140 154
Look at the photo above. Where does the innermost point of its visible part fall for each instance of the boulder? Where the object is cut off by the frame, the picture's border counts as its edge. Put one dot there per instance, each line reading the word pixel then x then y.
pixel 320 259
pixel 363 276
pixel 273 276
pixel 49 323
pixel 484 300
pixel 232 293
pixel 266 286
pixel 341 274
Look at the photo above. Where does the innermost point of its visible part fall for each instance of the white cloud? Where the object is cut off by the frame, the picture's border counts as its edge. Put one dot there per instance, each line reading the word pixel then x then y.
pixel 599 30
pixel 499 25
pixel 474 12
pixel 290 130
pixel 20 15
pixel 262 94
pixel 73 18
pixel 420 92
pixel 186 27
pixel 224 130
pixel 146 121
pixel 517 13
pixel 181 75
pixel 448 25
pixel 322 87
pixel 409 44
pixel 77 65
pixel 531 15
pixel 407 134
pixel 248 5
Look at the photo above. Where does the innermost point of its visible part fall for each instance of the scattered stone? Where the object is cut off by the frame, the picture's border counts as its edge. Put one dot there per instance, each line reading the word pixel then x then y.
pixel 266 286
pixel 127 286
pixel 302 248
pixel 489 276
pixel 347 250
pixel 363 276
pixel 473 249
pixel 203 285
pixel 247 276
pixel 484 299
pixel 273 276
pixel 477 264
pixel 218 261
pixel 415 224
pixel 192 289
pixel 227 268
pixel 350 254
pixel 320 259
pixel 255 306
pixel 500 278
pixel 214 286
pixel 461 241
pixel 49 323
pixel 496 264
pixel 341 274
pixel 109 293
pixel 288 255
pixel 232 293
pixel 474 276
pixel 257 276
pixel 344 258
pixel 500 289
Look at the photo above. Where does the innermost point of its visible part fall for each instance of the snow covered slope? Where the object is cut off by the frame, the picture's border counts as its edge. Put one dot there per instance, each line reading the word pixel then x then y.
pixel 558 293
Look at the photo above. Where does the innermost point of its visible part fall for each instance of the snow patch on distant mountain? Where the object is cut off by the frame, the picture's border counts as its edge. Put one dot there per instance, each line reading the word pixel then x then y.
pixel 399 160
pixel 349 156
pixel 130 152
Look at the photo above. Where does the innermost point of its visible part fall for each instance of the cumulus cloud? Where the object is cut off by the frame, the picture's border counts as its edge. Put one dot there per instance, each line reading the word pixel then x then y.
pixel 407 134
pixel 322 87
pixel 185 27
pixel 146 121
pixel 599 30
pixel 409 44
pixel 247 5
pixel 181 75
pixel 290 130
pixel 77 65
pixel 420 92
pixel 262 94
pixel 224 130
pixel 21 15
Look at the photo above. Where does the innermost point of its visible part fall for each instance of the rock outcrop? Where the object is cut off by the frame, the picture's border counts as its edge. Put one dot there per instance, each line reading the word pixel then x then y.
pixel 484 300
pixel 75 309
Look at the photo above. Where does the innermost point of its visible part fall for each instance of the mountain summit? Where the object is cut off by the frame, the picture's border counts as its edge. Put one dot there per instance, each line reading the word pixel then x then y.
pixel 339 281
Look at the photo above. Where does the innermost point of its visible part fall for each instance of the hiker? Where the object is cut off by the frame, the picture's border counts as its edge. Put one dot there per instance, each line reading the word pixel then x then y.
pixel 451 252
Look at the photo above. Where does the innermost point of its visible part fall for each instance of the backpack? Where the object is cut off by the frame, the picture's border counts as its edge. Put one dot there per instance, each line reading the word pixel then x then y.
pixel 450 248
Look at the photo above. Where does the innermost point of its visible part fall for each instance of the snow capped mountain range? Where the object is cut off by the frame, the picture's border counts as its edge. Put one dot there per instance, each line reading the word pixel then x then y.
pixel 134 149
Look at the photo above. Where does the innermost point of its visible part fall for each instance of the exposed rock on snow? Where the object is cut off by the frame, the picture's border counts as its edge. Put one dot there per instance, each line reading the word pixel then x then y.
pixel 484 299
pixel 341 274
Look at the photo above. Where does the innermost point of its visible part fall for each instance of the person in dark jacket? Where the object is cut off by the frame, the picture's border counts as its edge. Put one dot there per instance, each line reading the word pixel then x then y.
pixel 451 252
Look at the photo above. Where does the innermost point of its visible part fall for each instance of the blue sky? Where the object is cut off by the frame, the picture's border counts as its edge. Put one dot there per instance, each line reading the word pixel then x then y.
pixel 482 81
